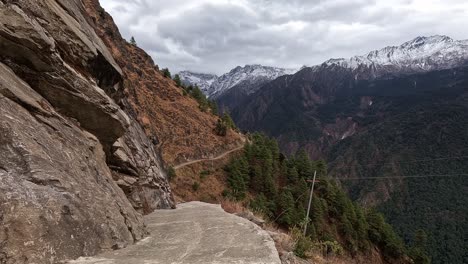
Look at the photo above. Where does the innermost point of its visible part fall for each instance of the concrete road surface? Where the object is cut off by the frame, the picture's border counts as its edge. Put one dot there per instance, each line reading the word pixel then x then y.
pixel 195 233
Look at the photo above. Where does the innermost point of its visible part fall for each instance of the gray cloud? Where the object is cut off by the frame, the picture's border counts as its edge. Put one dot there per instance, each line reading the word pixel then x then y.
pixel 216 35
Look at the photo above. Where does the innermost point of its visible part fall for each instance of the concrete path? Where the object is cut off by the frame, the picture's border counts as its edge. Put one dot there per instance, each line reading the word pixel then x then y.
pixel 195 233
pixel 208 159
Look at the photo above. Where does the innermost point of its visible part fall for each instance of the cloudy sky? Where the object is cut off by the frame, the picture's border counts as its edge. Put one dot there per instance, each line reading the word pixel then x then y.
pixel 214 36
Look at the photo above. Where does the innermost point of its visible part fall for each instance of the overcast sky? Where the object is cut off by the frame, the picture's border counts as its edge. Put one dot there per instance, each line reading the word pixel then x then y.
pixel 214 36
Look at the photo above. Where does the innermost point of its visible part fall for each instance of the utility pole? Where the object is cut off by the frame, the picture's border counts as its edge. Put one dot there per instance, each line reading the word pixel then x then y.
pixel 310 201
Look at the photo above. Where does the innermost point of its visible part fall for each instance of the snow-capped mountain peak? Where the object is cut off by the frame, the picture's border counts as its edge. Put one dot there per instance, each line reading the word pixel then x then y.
pixel 420 54
pixel 251 77
pixel 202 80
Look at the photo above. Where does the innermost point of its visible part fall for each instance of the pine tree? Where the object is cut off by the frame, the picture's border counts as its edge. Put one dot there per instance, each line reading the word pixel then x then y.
pixel 166 73
pixel 197 94
pixel 236 182
pixel 361 227
pixel 244 169
pixel 213 106
pixel 304 165
pixel 177 80
pixel 293 175
pixel 220 129
pixel 260 204
pixel 287 208
pixel 133 41
pixel 228 120
pixel 321 167
pixel 418 251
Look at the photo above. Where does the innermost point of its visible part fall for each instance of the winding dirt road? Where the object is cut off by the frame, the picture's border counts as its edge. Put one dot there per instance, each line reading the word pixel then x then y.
pixel 208 159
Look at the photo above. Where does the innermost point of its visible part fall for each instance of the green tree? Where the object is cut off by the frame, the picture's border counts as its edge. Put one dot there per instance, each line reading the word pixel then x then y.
pixel 213 106
pixel 221 128
pixel 133 41
pixel 228 120
pixel 304 165
pixel 166 73
pixel 321 167
pixel 418 251
pixel 383 235
pixel 260 204
pixel 236 182
pixel 293 175
pixel 177 80
pixel 171 173
pixel 286 208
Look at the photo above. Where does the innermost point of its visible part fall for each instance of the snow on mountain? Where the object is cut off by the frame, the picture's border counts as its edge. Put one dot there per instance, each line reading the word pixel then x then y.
pixel 420 54
pixel 202 80
pixel 251 77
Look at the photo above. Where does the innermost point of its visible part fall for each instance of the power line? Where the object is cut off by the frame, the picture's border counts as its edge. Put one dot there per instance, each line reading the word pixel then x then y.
pixel 404 176
pixel 405 162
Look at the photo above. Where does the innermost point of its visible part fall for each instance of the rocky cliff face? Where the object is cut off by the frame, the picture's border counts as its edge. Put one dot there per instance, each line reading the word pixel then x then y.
pixel 173 121
pixel 69 138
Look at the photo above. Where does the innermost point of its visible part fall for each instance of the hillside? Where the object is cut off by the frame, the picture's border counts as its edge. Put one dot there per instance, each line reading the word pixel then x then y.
pixel 368 125
pixel 94 137
pixel 88 127
pixel 174 121
pixel 268 183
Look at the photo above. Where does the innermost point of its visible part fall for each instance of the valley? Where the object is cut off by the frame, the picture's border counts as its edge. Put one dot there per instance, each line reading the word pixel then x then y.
pixel 370 115
pixel 108 157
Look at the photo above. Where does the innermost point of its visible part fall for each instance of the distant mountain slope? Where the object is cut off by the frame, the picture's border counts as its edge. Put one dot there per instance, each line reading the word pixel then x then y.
pixel 372 110
pixel 418 55
pixel 290 103
pixel 202 80
pixel 249 77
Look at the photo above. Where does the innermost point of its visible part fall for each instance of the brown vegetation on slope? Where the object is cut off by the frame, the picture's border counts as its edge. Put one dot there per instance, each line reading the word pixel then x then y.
pixel 175 122
pixel 203 181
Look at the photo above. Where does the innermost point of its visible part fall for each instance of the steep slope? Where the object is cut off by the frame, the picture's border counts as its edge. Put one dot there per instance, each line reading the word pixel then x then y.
pixel 276 186
pixel 173 121
pixel 60 135
pixel 372 114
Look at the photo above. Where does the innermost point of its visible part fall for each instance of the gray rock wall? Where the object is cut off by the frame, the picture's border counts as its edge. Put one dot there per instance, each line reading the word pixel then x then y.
pixel 76 171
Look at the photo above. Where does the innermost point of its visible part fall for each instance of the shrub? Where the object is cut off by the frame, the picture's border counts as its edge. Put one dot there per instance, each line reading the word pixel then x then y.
pixel 195 186
pixel 171 173
pixel 204 173
pixel 221 128
pixel 303 244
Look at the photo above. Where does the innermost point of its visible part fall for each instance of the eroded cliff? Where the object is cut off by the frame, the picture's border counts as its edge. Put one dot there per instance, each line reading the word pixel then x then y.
pixel 66 146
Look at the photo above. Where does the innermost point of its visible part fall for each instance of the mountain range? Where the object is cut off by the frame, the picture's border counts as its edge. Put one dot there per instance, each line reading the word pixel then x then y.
pixel 370 115
pixel 421 54
pixel 245 80
pixel 93 135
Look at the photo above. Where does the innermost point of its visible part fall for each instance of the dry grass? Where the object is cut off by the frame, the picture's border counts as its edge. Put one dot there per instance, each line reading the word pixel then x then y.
pixel 232 207
pixel 284 242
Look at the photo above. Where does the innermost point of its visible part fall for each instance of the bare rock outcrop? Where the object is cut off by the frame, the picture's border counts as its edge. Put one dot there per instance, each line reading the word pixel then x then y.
pixel 76 169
